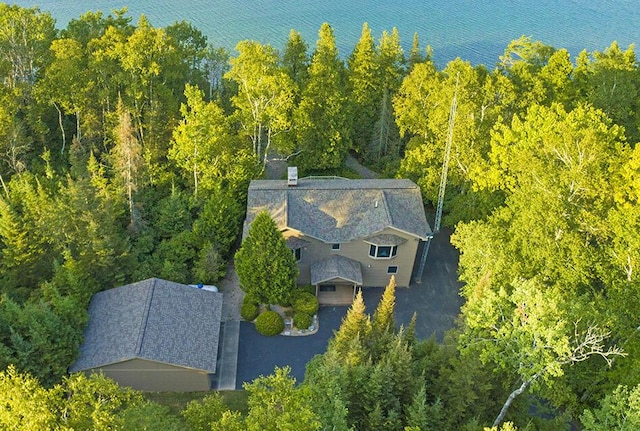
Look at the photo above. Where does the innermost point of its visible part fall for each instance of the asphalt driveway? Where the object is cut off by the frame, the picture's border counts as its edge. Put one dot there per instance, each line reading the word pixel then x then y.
pixel 435 300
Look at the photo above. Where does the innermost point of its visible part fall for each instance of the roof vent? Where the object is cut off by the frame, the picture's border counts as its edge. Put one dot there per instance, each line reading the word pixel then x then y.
pixel 292 176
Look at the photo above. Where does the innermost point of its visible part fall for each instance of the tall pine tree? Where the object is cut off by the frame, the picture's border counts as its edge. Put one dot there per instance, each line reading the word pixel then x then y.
pixel 265 265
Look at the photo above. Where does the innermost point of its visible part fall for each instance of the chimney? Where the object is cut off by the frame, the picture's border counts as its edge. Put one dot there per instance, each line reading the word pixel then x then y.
pixel 292 176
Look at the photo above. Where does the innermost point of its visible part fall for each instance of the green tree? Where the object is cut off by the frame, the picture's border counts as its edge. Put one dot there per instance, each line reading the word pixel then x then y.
pixel 364 82
pixel 148 416
pixel 545 251
pixel 347 343
pixel 190 53
pixel 276 404
pixel 385 139
pixel 66 84
pixel 265 94
pixel 321 120
pixel 620 410
pixel 202 415
pixel 94 402
pixel 25 36
pixel 24 403
pixel 295 60
pixel 127 158
pixel 16 143
pixel 265 265
pixel 201 139
pixel 423 108
pixel 415 54
pixel 610 81
pixel 369 374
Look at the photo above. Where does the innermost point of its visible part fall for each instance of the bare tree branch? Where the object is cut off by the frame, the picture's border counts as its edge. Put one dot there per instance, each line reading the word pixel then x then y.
pixel 585 344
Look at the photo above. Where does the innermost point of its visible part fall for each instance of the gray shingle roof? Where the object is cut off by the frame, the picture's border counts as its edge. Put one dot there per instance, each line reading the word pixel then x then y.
pixel 156 320
pixel 340 210
pixel 334 267
pixel 386 239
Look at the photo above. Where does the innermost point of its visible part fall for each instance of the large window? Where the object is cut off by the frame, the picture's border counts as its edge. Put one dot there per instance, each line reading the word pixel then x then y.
pixel 382 251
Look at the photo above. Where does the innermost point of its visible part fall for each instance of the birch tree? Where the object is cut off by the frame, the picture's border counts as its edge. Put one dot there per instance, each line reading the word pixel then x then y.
pixel 202 138
pixel 265 94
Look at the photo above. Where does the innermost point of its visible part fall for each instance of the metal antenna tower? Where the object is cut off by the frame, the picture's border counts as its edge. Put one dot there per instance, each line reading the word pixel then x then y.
pixel 443 179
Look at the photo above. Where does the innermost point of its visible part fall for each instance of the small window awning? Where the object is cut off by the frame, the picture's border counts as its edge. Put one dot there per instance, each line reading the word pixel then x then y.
pixel 386 239
pixel 336 267
pixel 293 242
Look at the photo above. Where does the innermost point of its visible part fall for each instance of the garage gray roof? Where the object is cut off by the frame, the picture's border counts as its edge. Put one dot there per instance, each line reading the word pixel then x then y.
pixel 154 319
pixel 340 210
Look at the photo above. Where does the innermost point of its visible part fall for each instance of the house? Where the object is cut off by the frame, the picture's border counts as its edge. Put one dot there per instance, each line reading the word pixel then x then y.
pixel 345 233
pixel 153 335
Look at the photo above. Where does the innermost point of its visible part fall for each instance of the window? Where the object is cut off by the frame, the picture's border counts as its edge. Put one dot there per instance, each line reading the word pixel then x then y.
pixel 327 288
pixel 383 251
pixel 297 253
pixel 392 269
pixel 335 246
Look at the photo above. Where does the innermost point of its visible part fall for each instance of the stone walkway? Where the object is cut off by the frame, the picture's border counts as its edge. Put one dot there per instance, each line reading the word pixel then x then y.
pixel 232 294
pixel 232 297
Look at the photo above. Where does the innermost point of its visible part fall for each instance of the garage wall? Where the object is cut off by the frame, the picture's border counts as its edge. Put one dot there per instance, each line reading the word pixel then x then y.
pixel 152 376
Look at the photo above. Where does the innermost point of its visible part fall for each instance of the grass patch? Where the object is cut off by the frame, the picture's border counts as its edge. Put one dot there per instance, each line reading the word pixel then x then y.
pixel 177 401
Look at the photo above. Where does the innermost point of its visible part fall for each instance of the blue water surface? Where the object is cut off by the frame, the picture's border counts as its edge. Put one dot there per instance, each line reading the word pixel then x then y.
pixel 477 31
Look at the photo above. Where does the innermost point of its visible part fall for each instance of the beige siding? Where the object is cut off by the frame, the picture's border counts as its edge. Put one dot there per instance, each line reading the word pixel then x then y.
pixel 155 377
pixel 343 295
pixel 374 271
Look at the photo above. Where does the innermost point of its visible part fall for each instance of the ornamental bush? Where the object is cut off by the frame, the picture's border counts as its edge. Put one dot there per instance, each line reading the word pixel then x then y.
pixel 305 302
pixel 270 323
pixel 249 311
pixel 302 320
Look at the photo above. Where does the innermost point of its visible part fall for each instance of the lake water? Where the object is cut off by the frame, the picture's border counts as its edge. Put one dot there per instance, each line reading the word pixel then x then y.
pixel 475 30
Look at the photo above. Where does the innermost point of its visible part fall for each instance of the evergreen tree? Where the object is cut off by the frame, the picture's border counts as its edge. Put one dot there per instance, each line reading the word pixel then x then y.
pixel 322 120
pixel 365 89
pixel 265 265
pixel 415 54
pixel 348 342
pixel 295 60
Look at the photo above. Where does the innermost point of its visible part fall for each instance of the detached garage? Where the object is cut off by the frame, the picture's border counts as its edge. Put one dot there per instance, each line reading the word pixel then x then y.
pixel 153 335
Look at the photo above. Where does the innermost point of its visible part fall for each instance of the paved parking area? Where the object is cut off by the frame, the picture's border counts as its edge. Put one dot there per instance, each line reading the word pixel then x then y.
pixel 436 301
pixel 259 355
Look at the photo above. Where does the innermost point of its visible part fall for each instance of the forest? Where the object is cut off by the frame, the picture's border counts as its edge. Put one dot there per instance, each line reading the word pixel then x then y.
pixel 126 151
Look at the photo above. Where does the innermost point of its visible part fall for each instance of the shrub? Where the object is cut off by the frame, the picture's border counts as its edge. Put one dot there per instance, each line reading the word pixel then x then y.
pixel 305 302
pixel 250 308
pixel 302 320
pixel 270 323
pixel 305 288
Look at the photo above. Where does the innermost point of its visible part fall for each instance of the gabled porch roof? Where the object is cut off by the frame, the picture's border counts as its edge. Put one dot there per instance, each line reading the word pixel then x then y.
pixel 336 267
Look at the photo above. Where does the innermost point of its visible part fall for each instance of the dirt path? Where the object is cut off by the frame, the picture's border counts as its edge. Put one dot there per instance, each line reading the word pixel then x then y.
pixel 352 163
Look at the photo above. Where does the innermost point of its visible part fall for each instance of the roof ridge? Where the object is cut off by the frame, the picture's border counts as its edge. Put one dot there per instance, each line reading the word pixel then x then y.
pixel 386 208
pixel 286 208
pixel 145 317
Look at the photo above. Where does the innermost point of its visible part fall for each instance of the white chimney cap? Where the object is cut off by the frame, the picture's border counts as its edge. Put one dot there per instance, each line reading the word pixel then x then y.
pixel 292 176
